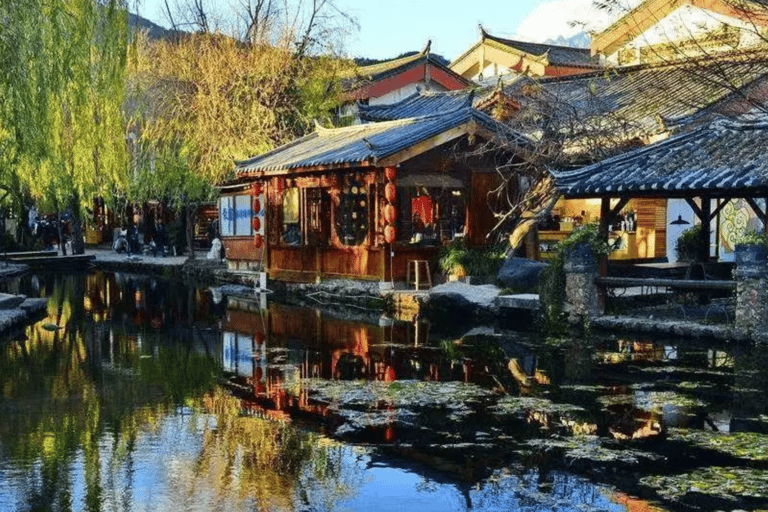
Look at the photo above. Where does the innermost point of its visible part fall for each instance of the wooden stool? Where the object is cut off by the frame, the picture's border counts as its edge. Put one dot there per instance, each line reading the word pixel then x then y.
pixel 417 267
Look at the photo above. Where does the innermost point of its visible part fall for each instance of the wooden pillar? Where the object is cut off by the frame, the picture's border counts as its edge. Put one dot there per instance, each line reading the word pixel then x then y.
pixel 602 265
pixel 765 219
pixel 706 220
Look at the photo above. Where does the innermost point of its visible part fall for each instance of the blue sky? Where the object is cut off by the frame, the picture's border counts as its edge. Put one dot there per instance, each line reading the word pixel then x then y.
pixel 391 27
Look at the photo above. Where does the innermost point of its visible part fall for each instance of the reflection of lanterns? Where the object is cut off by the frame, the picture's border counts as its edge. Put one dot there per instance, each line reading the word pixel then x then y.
pixel 256 205
pixel 390 214
pixel 390 192
pixel 256 223
pixel 390 173
pixel 389 234
pixel 260 337
pixel 258 240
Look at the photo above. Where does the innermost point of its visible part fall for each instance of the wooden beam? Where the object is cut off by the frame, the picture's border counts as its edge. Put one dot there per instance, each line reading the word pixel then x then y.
pixel 720 207
pixel 619 206
pixel 695 209
pixel 706 218
pixel 424 146
pixel 756 208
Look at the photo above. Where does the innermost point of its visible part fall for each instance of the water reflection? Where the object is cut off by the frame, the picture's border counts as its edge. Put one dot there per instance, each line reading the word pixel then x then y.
pixel 114 401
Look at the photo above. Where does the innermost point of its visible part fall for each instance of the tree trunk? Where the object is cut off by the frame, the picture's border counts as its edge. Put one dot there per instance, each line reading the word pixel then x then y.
pixel 191 211
pixel 78 246
pixel 62 245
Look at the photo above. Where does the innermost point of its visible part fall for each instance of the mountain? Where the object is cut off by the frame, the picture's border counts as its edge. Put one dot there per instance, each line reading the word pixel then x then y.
pixel 154 31
pixel 580 40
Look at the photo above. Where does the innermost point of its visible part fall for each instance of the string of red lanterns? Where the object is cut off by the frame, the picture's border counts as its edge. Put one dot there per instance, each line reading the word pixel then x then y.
pixel 390 212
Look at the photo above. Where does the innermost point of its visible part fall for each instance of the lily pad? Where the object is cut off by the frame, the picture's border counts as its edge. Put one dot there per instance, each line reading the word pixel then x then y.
pixel 728 483
pixel 746 445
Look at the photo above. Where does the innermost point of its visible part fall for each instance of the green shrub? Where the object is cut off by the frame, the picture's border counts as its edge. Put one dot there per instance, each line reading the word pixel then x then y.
pixel 751 237
pixel 459 260
pixel 552 278
pixel 687 246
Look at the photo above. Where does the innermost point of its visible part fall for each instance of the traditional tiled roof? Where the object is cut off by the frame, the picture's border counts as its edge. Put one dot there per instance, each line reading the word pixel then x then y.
pixel 555 54
pixel 383 70
pixel 726 156
pixel 644 99
pixel 367 144
pixel 418 104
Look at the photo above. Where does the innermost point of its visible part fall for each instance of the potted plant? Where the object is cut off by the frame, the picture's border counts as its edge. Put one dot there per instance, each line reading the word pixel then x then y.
pixel 751 249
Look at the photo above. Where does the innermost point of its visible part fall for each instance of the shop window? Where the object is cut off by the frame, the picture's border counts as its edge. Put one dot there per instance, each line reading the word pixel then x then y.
pixel 351 216
pixel 226 216
pixel 235 214
pixel 431 216
pixel 291 228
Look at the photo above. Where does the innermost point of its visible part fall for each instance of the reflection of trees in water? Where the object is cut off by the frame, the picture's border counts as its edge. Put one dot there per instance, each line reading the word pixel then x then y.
pixel 78 397
pixel 273 463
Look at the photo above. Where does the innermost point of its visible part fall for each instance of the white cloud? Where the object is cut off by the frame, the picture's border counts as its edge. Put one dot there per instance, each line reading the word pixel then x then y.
pixel 554 18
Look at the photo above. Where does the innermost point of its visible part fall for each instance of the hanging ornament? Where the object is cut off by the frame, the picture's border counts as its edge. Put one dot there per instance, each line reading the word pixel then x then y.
pixel 257 188
pixel 260 337
pixel 390 214
pixel 389 234
pixel 256 206
pixel 390 192
pixel 258 241
pixel 256 223
pixel 390 173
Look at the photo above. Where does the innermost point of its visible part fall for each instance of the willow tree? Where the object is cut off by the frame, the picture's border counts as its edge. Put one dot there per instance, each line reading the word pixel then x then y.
pixel 61 126
pixel 200 101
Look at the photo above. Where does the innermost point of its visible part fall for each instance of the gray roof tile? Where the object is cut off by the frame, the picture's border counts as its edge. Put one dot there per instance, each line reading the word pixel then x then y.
pixel 727 155
pixel 367 143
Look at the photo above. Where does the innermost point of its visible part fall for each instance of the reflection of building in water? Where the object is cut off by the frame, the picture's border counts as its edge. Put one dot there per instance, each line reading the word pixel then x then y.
pixel 270 352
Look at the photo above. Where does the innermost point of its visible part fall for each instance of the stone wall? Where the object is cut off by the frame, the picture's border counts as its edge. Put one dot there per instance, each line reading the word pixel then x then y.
pixel 751 276
pixel 581 295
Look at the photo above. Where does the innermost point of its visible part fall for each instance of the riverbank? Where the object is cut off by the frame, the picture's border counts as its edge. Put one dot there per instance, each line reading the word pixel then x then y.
pixel 447 302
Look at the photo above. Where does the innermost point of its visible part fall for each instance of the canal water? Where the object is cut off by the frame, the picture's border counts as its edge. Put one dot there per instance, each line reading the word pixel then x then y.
pixel 140 394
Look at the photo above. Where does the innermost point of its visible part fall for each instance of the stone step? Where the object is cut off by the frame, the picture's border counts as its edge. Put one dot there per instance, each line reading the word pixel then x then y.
pixel 8 301
pixel 529 301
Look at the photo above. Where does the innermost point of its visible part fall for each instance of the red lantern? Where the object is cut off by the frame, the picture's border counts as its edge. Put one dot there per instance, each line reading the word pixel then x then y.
pixel 260 337
pixel 390 192
pixel 390 214
pixel 258 241
pixel 256 223
pixel 389 234
pixel 390 173
pixel 257 189
pixel 256 205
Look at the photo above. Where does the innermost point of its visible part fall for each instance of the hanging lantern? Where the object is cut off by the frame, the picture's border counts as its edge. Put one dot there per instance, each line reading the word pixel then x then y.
pixel 390 173
pixel 256 206
pixel 256 223
pixel 260 337
pixel 258 241
pixel 389 234
pixel 390 192
pixel 257 188
pixel 390 214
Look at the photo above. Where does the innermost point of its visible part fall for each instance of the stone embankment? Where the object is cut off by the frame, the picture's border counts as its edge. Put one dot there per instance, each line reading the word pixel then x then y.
pixel 17 310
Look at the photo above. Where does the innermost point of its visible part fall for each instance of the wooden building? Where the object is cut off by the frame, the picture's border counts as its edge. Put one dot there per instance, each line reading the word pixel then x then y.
pixel 393 80
pixel 673 30
pixel 363 201
pixel 494 56
pixel 712 168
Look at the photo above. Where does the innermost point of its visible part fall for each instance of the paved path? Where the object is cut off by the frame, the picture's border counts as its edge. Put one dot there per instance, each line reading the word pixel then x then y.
pixel 104 254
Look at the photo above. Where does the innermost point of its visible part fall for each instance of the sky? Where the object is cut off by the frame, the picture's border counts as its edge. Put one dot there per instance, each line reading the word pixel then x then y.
pixel 391 27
